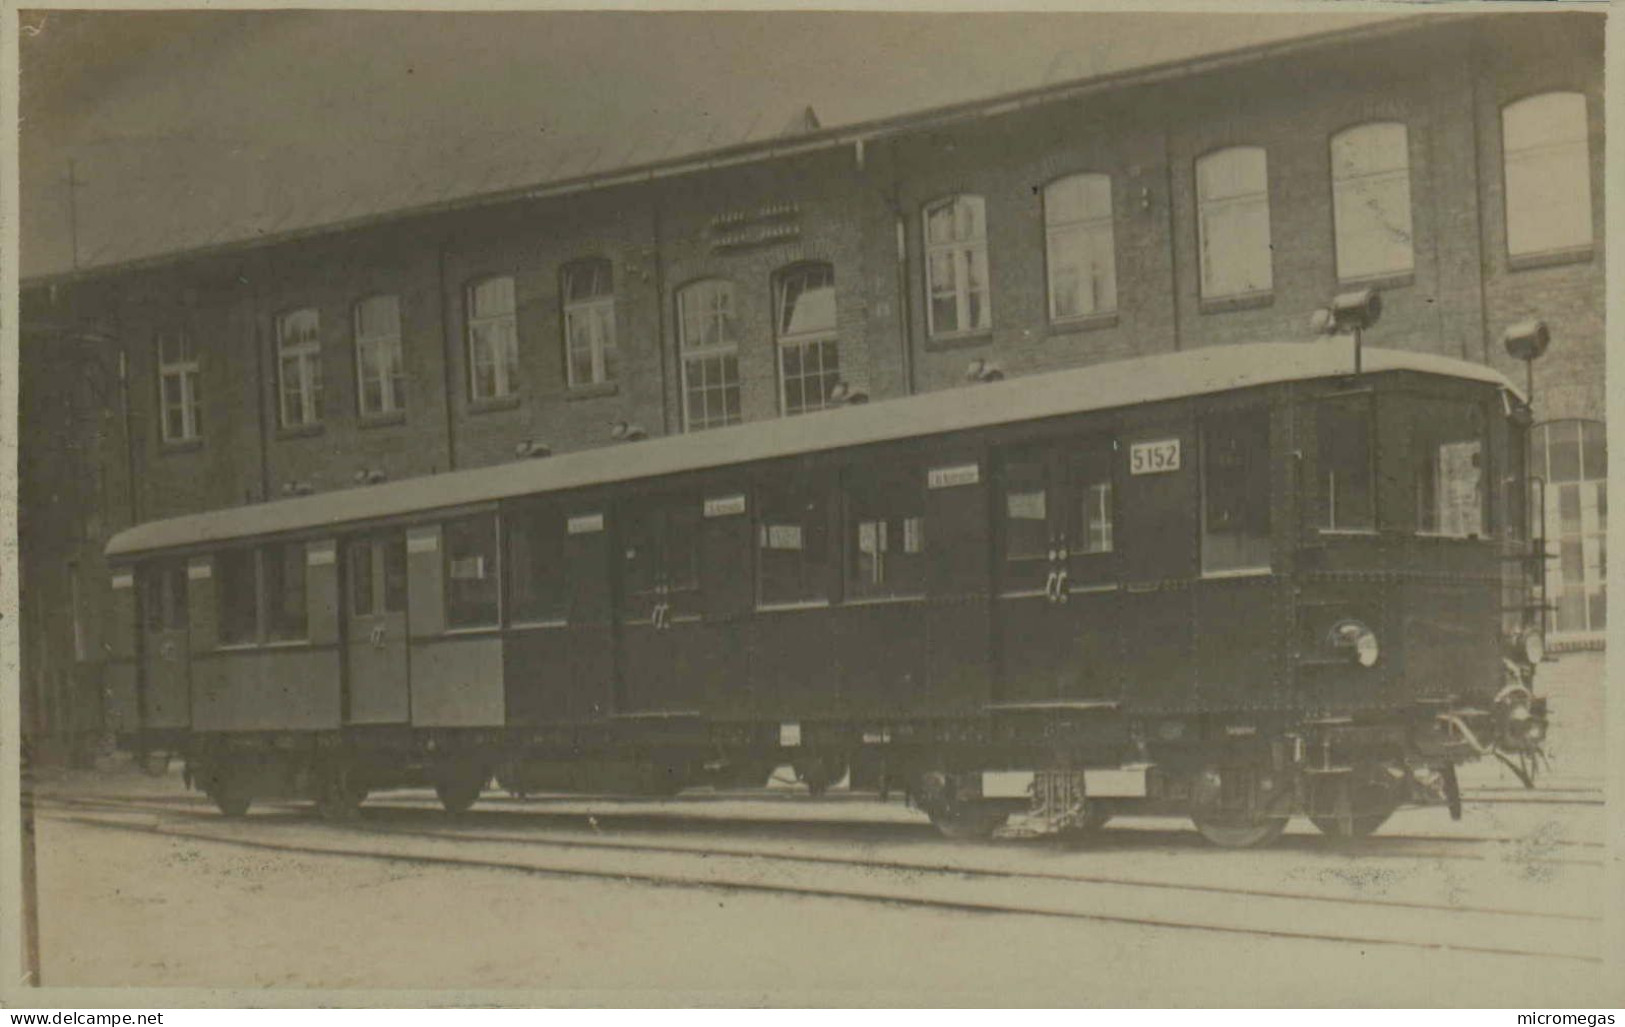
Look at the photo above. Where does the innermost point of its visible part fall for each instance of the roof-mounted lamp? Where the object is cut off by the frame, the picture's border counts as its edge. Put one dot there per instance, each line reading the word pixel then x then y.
pixel 1527 341
pixel 1350 313
pixel 844 394
pixel 371 476
pixel 625 431
pixel 527 448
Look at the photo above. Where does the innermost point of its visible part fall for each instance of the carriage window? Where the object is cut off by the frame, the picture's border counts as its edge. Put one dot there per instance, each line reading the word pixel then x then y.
pixel 1236 492
pixel 1026 511
pixel 471 572
pixel 1094 526
pixel 885 534
pixel 237 593
pixel 361 583
pixel 793 542
pixel 164 601
pixel 283 570
pixel 1344 482
pixel 537 582
pixel 1447 468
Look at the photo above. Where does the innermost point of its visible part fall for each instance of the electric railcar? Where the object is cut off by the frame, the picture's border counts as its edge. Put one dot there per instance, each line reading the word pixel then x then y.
pixel 1237 584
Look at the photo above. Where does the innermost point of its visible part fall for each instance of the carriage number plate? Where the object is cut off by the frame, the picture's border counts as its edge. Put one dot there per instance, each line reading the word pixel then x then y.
pixel 1153 457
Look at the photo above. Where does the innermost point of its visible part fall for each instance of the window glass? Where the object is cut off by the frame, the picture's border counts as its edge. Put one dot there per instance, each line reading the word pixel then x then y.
pixel 1447 454
pixel 164 599
pixel 1026 510
pixel 493 339
pixel 1079 246
pixel 394 556
pixel 537 577
pixel 1575 522
pixel 1233 222
pixel 1236 492
pixel 179 392
pixel 589 322
pixel 1371 200
pixel 237 596
pixel 885 529
pixel 708 340
pixel 361 578
pixel 956 266
pixel 299 368
pixel 1344 492
pixel 793 543
pixel 471 572
pixel 809 356
pixel 380 370
pixel 1546 148
pixel 283 570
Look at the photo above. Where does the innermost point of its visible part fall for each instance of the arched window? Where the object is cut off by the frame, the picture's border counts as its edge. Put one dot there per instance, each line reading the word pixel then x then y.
pixel 589 322
pixel 1078 243
pixel 1371 200
pixel 299 368
pixel 956 266
pixel 804 323
pixel 1233 222
pixel 708 340
pixel 1571 457
pixel 1545 145
pixel 380 375
pixel 493 339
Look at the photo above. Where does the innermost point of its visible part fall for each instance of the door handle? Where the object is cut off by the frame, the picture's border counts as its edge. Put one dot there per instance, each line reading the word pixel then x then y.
pixel 654 616
pixel 1060 587
pixel 376 636
pixel 1049 586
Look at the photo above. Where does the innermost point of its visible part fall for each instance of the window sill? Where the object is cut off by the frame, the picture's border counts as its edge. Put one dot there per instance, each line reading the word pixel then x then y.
pixel 1238 572
pixel 1245 301
pixel 494 403
pixel 1092 323
pixel 1551 258
pixel 805 604
pixel 885 600
pixel 596 390
pixel 1348 532
pixel 482 629
pixel 175 446
pixel 383 420
pixel 959 340
pixel 538 625
pixel 300 431
pixel 1442 536
pixel 1385 280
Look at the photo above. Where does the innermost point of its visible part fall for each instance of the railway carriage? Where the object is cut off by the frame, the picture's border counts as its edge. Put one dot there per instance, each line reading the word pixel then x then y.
pixel 1239 584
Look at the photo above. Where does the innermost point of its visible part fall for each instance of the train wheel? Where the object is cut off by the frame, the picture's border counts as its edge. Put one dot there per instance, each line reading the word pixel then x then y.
pixel 1094 819
pixel 1240 809
pixel 460 790
pixel 230 796
pixel 968 821
pixel 1351 827
pixel 340 794
pixel 1360 805
pixel 819 773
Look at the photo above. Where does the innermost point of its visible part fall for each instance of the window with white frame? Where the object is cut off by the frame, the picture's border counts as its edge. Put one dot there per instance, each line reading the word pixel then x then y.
pixel 299 368
pixel 1079 246
pixel 804 321
pixel 178 393
pixel 708 339
pixel 1371 200
pixel 1571 458
pixel 493 339
pixel 1545 143
pixel 956 266
pixel 379 366
pixel 589 322
pixel 1233 222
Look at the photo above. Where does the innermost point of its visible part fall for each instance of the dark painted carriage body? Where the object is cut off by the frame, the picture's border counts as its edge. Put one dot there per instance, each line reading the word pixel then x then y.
pixel 717 600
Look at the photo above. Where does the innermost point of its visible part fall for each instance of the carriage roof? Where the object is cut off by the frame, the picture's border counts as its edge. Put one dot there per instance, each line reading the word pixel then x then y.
pixel 1103 386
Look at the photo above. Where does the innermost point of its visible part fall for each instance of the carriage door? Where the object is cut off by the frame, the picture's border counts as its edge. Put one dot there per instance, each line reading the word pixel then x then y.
pixel 166 684
pixel 1057 573
pixel 661 605
pixel 375 629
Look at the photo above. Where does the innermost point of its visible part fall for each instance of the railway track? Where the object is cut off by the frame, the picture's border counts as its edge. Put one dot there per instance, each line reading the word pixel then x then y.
pixel 959 887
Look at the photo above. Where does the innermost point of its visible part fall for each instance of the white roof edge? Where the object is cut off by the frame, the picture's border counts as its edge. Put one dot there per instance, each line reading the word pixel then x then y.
pixel 1103 386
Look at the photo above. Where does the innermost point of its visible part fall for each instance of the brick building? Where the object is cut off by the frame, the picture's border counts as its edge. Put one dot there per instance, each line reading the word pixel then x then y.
pixel 1454 163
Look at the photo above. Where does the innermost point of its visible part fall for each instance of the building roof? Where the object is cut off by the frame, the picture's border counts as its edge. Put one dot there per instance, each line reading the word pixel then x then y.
pixel 233 129
pixel 1098 387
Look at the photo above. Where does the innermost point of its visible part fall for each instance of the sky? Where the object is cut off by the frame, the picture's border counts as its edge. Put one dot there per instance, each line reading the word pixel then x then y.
pixel 183 130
